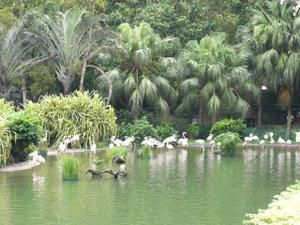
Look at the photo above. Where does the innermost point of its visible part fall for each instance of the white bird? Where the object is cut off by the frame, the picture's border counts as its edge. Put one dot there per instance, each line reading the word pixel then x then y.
pixel 67 141
pixel 281 140
pixel 266 136
pixel 75 138
pixel 93 148
pixel 111 145
pixel 247 139
pixel 297 137
pixel 128 142
pixel 271 138
pixel 116 142
pixel 33 155
pixel 262 142
pixel 170 139
pixel 201 142
pixel 183 141
pixel 62 147
pixel 212 143
pixel 210 137
pixel 41 159
pixel 289 142
pixel 255 138
pixel 169 146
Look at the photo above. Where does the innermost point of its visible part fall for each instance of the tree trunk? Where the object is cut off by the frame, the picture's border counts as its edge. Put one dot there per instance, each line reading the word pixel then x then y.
pixel 214 118
pixel 24 91
pixel 82 76
pixel 259 111
pixel 289 122
pixel 200 116
pixel 67 88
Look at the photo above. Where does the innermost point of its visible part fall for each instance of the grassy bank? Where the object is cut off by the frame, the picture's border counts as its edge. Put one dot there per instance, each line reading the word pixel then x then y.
pixel 284 209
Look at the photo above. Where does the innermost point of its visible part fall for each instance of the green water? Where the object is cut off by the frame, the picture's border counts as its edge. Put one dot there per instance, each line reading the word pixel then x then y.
pixel 172 188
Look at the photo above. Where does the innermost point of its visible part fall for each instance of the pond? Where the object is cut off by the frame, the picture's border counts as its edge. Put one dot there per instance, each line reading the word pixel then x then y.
pixel 172 188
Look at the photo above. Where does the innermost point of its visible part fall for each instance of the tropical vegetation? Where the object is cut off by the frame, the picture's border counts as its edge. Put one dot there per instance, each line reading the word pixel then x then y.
pixel 228 142
pixel 129 54
pixel 83 114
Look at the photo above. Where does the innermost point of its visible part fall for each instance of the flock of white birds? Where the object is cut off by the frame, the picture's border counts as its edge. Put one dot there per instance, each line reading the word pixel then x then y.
pixel 168 143
pixel 268 137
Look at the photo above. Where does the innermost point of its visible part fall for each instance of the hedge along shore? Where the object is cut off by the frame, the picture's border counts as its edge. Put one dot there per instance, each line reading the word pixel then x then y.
pixel 284 209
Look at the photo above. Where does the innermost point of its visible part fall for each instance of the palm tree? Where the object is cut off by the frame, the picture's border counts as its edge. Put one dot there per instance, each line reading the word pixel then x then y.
pixel 276 41
pixel 140 79
pixel 216 74
pixel 15 45
pixel 73 38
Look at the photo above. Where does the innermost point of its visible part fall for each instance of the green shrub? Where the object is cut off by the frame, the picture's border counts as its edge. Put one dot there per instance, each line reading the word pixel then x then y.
pixel 117 152
pixel 80 113
pixel 70 167
pixel 6 108
pixel 193 130
pixel 142 128
pixel 5 142
pixel 284 209
pixel 228 125
pixel 165 130
pixel 27 131
pixel 125 130
pixel 229 142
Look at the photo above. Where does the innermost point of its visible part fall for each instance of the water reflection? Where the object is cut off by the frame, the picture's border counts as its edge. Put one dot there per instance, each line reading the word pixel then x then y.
pixel 172 187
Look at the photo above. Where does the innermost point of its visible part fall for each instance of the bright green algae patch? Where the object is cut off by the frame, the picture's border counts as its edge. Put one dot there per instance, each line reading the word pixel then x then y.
pixel 284 209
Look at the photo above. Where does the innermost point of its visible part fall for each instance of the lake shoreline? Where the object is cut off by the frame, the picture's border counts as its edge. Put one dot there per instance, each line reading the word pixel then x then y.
pixel 29 164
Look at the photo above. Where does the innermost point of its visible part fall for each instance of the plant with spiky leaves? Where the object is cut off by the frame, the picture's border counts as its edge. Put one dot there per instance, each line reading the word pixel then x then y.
pixel 83 114
pixel 215 73
pixel 275 41
pixel 142 79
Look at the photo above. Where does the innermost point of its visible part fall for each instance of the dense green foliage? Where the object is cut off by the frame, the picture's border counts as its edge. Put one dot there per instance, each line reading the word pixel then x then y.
pixel 139 129
pixel 140 80
pixel 196 58
pixel 193 130
pixel 80 113
pixel 70 167
pixel 27 131
pixel 228 125
pixel 165 129
pixel 284 209
pixel 229 142
pixel 5 142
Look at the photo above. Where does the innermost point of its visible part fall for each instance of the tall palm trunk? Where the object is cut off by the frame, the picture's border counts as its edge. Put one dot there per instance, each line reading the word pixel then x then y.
pixel 259 111
pixel 214 118
pixel 289 121
pixel 24 90
pixel 82 76
pixel 67 88
pixel 200 116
